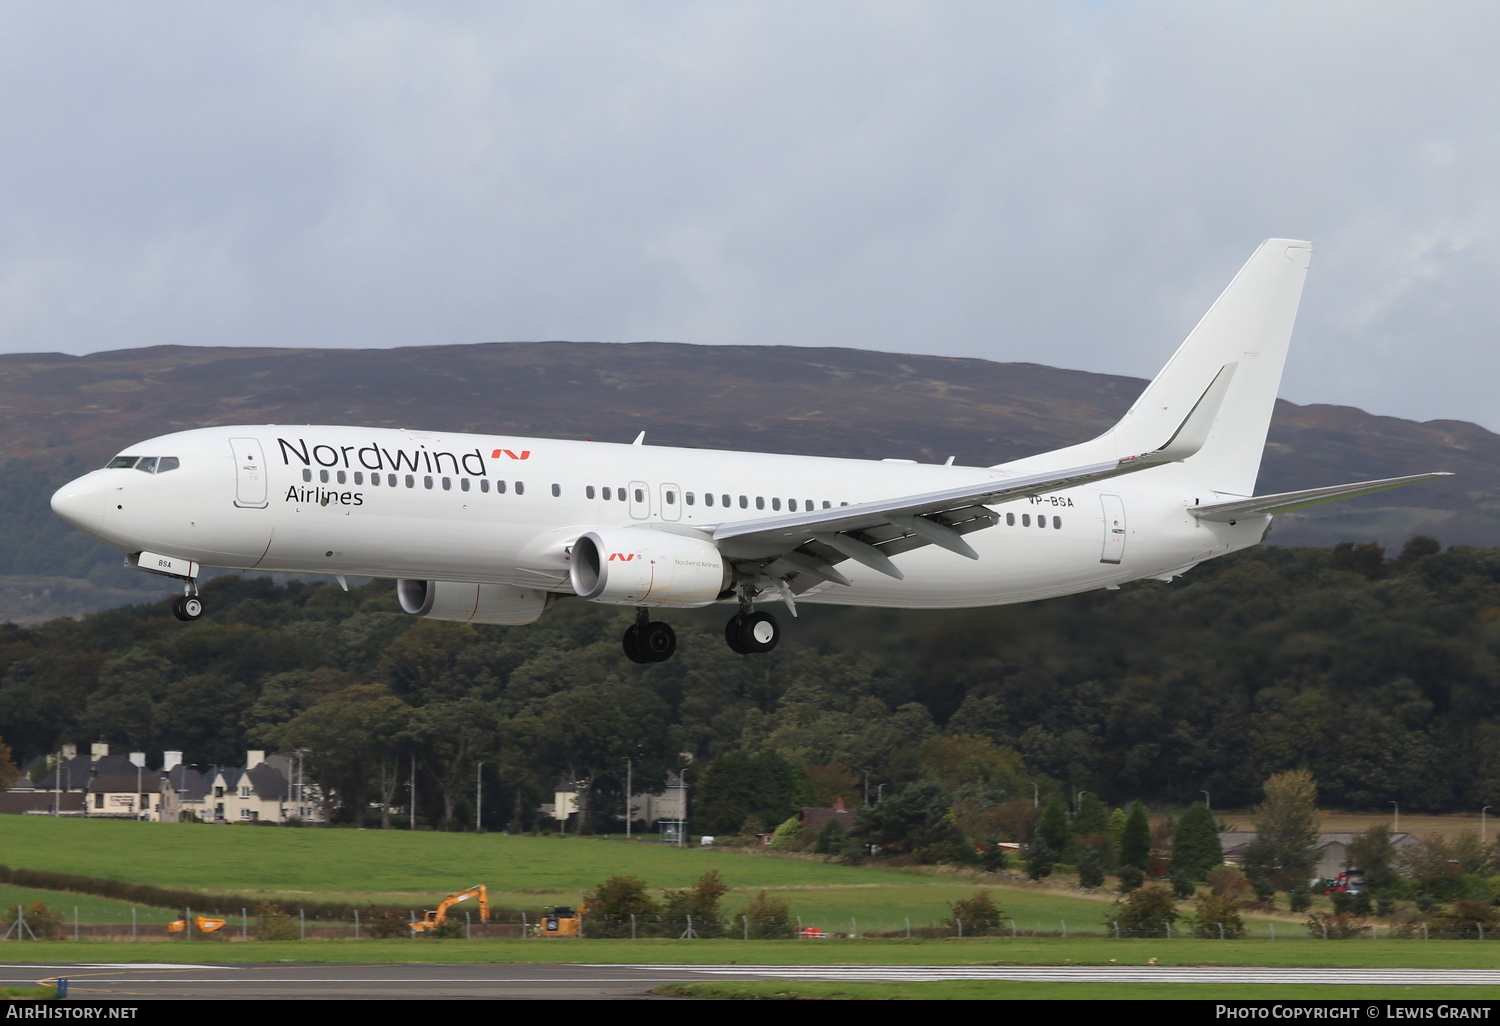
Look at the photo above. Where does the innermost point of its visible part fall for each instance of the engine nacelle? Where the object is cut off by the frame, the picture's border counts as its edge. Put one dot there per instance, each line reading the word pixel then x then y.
pixel 472 603
pixel 641 567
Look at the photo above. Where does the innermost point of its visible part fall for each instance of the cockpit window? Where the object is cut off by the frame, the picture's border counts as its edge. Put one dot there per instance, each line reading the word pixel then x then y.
pixel 122 462
pixel 146 464
pixel 167 463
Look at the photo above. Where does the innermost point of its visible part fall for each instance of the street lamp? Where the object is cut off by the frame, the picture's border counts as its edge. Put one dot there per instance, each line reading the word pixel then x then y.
pixel 1078 801
pixel 1036 795
pixel 479 798
pixel 1208 802
pixel 1396 827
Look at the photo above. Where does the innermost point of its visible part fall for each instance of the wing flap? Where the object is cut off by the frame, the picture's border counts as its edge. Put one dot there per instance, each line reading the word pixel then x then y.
pixel 1290 502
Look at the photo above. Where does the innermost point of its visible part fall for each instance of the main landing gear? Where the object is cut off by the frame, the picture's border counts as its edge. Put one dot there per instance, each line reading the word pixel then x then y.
pixel 749 632
pixel 648 640
pixel 188 606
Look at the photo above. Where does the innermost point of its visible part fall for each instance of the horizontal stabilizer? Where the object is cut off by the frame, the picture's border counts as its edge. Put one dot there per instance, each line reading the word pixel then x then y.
pixel 1289 502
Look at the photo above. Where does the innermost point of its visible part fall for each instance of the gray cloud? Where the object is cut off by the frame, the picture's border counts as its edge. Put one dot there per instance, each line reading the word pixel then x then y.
pixel 1061 183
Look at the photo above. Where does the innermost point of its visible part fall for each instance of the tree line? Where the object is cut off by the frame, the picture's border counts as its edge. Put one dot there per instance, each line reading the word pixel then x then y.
pixel 1377 675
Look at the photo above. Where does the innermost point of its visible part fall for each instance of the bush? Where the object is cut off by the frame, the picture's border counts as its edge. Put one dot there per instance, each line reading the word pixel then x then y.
pixel 701 903
pixel 788 836
pixel 994 858
pixel 769 918
pixel 1144 912
pixel 613 902
pixel 1465 916
pixel 1040 858
pixel 383 923
pixel 1090 866
pixel 1299 900
pixel 977 914
pixel 1131 878
pixel 1338 925
pixel 44 923
pixel 1227 882
pixel 1213 914
pixel 274 924
pixel 1182 887
pixel 450 928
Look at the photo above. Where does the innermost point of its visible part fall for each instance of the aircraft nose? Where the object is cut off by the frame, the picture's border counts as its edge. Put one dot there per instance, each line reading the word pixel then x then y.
pixel 81 502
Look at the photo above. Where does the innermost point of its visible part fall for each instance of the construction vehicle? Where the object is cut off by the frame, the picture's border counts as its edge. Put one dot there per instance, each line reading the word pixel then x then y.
pixel 563 921
pixel 204 924
pixel 433 918
pixel 1348 882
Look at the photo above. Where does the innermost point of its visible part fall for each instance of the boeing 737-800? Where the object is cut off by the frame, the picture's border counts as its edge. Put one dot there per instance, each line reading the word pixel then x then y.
pixel 494 529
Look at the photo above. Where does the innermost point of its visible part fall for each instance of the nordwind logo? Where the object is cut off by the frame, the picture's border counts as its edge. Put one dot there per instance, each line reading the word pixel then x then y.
pixel 624 557
pixel 525 454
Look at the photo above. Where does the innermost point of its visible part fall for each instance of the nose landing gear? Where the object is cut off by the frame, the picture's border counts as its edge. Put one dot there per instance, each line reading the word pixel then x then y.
pixel 649 641
pixel 188 606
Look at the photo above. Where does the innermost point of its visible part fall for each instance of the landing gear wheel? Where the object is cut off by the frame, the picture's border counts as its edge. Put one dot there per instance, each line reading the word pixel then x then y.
pixel 631 643
pixel 732 634
pixel 657 641
pixel 652 642
pixel 753 633
pixel 187 607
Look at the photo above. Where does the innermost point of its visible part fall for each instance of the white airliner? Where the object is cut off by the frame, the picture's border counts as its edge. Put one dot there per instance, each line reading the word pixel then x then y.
pixel 494 529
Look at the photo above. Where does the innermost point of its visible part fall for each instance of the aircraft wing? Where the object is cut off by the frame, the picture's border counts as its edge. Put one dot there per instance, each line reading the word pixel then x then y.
pixel 798 551
pixel 810 543
pixel 1288 502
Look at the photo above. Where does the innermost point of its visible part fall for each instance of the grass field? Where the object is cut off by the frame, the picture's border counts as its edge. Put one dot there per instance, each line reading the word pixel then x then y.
pixel 400 867
pixel 962 990
pixel 984 951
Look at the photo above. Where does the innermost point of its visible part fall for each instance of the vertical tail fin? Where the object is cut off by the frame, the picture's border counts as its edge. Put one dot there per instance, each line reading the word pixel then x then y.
pixel 1237 350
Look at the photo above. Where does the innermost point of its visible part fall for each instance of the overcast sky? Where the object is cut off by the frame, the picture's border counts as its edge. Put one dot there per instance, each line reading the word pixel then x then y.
pixel 1068 184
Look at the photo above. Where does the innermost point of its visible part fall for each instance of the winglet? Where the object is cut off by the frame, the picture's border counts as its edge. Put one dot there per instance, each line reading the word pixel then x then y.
pixel 640 439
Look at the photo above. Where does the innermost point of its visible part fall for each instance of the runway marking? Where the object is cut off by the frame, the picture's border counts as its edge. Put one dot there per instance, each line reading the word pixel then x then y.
pixel 1104 974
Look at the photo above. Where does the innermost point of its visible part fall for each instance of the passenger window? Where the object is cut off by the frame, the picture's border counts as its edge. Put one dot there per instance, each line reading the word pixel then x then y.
pixel 390 480
pixel 167 463
pixel 843 504
pixel 426 480
pixel 306 474
pixel 341 477
pixel 688 496
pixel 671 498
pixel 1057 523
pixel 464 483
pixel 589 491
pixel 1041 521
pixel 607 493
pixel 1025 519
pixel 827 504
pixel 1010 520
pixel 520 488
pixel 744 502
pixel 323 476
pixel 640 496
pixel 499 487
pixel 484 484
pixel 359 477
pixel 411 482
pixel 725 502
pixel 556 490
pixel 776 504
pixel 708 498
pixel 122 462
pixel 146 465
pixel 807 504
pixel 447 484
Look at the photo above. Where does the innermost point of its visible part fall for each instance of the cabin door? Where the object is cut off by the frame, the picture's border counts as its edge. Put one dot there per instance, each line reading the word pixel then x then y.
pixel 250 473
pixel 1114 529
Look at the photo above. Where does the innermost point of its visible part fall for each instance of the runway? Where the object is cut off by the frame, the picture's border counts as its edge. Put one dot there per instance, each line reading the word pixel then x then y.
pixel 129 981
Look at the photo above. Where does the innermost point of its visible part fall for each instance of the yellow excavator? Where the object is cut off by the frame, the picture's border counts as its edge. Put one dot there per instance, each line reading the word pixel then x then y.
pixel 433 918
pixel 562 921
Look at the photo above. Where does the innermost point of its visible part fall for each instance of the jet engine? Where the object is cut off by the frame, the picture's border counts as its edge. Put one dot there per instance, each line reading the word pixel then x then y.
pixel 472 603
pixel 641 567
